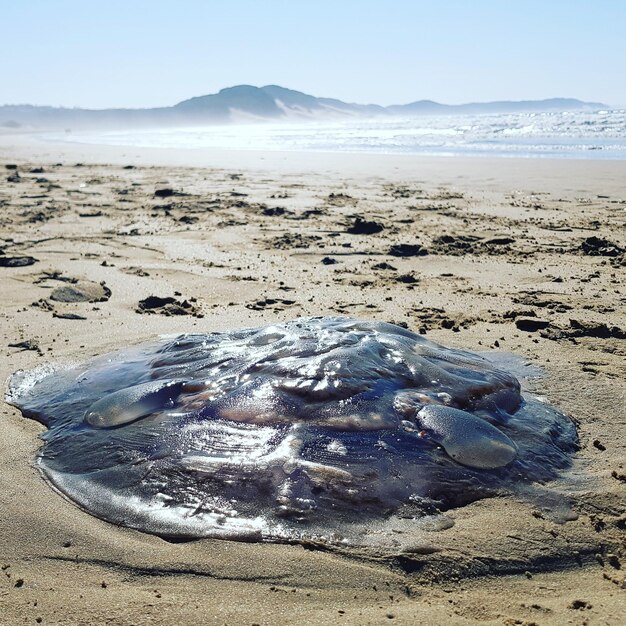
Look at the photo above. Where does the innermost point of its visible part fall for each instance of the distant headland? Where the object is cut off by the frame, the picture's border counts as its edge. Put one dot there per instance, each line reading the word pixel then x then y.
pixel 246 103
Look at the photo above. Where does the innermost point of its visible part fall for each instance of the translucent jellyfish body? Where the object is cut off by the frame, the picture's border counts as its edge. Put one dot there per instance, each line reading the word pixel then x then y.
pixel 312 428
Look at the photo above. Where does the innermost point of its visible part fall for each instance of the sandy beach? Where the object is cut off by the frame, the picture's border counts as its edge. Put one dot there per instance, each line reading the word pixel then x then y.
pixel 526 256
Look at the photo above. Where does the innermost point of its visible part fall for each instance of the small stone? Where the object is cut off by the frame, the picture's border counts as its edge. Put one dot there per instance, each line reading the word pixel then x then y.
pixel 531 325
pixel 68 316
pixel 16 261
pixel 407 279
pixel 407 249
pixel 500 241
pixel 579 604
pixel 164 193
pixel 364 227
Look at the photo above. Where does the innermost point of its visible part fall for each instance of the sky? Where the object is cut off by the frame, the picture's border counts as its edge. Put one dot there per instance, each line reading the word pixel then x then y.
pixel 143 53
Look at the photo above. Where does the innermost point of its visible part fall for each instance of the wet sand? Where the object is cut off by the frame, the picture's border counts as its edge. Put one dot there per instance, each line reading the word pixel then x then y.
pixel 522 256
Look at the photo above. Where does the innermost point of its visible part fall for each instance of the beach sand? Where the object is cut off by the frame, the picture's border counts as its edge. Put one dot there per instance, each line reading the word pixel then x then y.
pixel 524 256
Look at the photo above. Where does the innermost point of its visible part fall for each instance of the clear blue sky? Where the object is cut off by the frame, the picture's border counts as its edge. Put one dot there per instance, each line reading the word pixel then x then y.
pixel 135 53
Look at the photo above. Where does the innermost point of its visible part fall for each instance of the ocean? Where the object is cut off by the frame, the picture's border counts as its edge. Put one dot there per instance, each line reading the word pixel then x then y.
pixel 556 134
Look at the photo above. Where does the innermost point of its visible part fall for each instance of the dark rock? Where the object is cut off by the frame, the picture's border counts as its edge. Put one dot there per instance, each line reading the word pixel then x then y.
pixel 500 241
pixel 598 330
pixel 329 261
pixel 28 344
pixel 164 193
pixel 68 316
pixel 407 249
pixel 167 306
pixel 11 166
pixel 365 227
pixel 595 246
pixel 17 261
pixel 383 266
pixel 274 211
pixel 531 325
pixel 188 219
pixel 579 604
pixel 407 279
pixel 154 302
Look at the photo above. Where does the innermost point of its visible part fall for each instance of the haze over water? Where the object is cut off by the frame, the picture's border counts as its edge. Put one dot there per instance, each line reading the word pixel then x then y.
pixel 567 134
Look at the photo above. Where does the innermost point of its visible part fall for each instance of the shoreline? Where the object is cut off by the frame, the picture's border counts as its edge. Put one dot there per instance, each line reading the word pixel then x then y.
pixel 28 146
pixel 246 264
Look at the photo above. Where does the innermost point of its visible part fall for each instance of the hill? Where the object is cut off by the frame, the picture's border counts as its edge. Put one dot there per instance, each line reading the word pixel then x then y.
pixel 249 103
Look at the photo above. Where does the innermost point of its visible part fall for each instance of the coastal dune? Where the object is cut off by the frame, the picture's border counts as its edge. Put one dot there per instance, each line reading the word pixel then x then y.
pixel 523 256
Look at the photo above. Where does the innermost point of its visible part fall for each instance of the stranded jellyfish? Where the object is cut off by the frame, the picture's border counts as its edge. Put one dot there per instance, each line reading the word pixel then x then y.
pixel 316 428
